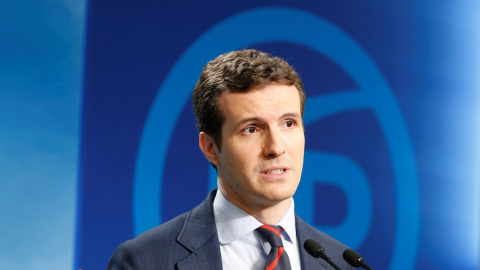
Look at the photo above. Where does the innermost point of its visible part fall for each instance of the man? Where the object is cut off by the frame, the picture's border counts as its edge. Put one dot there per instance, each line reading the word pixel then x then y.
pixel 249 107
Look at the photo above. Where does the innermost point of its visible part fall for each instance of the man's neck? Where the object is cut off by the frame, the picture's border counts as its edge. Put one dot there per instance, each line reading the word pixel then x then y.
pixel 271 214
pixel 266 212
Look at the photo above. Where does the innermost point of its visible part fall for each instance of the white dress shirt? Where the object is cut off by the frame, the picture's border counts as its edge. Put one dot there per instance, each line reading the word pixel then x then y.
pixel 241 246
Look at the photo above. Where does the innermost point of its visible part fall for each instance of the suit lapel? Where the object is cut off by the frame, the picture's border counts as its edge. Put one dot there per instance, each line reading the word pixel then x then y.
pixel 304 232
pixel 199 236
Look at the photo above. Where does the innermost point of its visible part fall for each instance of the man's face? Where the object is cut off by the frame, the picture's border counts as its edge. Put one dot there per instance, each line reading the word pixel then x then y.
pixel 263 142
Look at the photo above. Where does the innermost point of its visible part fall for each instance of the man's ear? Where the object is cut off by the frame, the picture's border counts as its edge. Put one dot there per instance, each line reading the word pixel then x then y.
pixel 209 148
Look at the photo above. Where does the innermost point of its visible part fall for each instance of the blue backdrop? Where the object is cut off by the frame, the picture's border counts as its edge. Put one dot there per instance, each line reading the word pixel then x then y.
pixel 392 121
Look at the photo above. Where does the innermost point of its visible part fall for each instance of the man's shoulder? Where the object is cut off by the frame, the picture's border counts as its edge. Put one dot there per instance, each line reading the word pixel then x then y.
pixel 162 234
pixel 167 243
pixel 151 243
pixel 170 230
pixel 150 248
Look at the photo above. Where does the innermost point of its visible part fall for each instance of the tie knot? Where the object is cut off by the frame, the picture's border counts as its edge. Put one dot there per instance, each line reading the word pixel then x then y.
pixel 272 234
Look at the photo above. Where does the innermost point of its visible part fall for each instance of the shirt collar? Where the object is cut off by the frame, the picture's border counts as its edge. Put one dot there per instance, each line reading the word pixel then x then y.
pixel 288 223
pixel 233 223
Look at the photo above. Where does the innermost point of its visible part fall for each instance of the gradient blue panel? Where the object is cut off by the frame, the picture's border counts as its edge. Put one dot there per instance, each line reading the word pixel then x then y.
pixel 40 99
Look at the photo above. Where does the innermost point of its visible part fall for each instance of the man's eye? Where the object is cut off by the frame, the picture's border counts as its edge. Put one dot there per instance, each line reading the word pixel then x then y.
pixel 250 130
pixel 289 124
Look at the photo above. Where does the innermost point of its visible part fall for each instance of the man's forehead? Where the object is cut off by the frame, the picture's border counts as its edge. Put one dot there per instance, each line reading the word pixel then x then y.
pixel 270 100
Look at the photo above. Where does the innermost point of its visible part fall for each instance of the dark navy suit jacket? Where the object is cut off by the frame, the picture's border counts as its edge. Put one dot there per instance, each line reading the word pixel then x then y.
pixel 190 241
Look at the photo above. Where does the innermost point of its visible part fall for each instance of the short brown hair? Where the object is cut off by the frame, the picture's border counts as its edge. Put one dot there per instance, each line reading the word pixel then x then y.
pixel 237 71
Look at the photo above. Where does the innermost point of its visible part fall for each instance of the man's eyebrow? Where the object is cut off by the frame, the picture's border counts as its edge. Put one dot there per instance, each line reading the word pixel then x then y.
pixel 246 120
pixel 295 115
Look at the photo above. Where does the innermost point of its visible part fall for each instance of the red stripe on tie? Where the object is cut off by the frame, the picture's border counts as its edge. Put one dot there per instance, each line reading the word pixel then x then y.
pixel 274 263
pixel 272 229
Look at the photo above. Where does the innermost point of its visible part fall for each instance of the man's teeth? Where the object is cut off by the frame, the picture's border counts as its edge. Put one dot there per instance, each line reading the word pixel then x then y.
pixel 276 171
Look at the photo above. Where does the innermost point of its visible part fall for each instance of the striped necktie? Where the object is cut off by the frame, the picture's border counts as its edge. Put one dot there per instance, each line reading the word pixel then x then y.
pixel 277 258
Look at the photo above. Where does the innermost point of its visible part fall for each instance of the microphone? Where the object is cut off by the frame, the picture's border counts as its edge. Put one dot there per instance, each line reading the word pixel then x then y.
pixel 355 259
pixel 316 250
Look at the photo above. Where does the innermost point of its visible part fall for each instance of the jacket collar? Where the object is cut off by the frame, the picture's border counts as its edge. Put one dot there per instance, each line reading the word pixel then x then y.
pixel 199 236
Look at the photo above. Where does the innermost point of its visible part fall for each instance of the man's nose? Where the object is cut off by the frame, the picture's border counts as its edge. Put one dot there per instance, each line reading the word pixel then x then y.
pixel 273 144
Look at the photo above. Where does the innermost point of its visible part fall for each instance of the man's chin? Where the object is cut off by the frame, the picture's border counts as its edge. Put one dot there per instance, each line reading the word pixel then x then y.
pixel 278 196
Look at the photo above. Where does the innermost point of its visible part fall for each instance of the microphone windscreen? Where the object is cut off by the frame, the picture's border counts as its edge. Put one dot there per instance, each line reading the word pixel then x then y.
pixel 313 248
pixel 352 257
